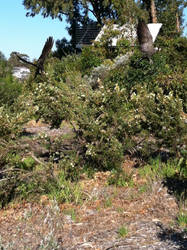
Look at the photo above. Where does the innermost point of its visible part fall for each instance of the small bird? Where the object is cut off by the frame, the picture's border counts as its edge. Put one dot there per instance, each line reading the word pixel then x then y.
pixel 145 39
pixel 40 62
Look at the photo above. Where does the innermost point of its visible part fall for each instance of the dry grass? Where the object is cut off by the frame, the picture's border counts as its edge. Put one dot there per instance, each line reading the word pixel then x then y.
pixel 95 223
pixel 145 210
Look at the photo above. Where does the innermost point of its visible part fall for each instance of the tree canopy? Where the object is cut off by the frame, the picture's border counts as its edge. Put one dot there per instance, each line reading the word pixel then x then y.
pixel 84 9
pixel 80 12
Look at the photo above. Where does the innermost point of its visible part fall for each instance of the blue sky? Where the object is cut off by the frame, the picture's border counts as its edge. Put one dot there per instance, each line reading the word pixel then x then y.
pixel 26 34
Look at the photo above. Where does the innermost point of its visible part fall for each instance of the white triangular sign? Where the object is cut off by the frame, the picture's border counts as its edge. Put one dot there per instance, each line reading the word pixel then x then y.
pixel 154 29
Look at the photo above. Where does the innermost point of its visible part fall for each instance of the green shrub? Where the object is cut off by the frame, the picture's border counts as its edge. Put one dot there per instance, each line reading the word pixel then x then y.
pixel 63 190
pixel 137 108
pixel 10 90
pixel 21 179
pixel 61 68
pixel 139 71
pixel 120 178
pixel 104 127
pixel 5 68
pixel 158 169
pixel 10 123
pixel 161 116
pixel 175 51
pixel 122 231
pixel 90 57
pixel 54 103
pixel 182 220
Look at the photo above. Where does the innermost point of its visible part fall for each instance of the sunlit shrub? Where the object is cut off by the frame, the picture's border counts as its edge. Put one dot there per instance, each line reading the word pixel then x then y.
pixel 175 50
pixel 161 116
pixel 10 89
pixel 90 57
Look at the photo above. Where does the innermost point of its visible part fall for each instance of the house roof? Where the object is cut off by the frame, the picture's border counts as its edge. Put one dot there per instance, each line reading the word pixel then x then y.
pixel 127 31
pixel 87 34
pixel 93 32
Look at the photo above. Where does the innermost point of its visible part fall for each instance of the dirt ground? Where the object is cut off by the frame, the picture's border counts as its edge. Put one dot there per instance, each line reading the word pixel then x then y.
pixel 149 217
pixel 109 217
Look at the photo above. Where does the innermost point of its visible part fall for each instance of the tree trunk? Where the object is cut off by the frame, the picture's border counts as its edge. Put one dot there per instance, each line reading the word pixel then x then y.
pixel 153 12
pixel 177 23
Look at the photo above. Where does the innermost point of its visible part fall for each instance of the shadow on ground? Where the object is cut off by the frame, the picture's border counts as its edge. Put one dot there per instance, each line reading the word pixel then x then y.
pixel 177 186
pixel 178 238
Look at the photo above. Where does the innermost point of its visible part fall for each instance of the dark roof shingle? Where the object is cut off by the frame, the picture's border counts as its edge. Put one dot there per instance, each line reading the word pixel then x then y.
pixel 87 34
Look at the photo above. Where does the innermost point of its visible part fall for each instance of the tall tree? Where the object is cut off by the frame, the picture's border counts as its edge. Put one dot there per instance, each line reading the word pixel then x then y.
pixel 83 9
pixel 79 12
pixel 149 6
pixel 168 12
pixel 61 8
pixel 14 62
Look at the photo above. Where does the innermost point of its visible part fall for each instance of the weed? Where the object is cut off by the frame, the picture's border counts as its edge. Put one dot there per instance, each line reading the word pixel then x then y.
pixel 173 174
pixel 120 178
pixel 71 212
pixel 108 202
pixel 143 188
pixel 63 190
pixel 120 210
pixel 49 242
pixel 122 231
pixel 158 169
pixel 182 220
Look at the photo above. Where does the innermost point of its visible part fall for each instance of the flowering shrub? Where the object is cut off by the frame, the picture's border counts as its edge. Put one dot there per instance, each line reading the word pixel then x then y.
pixel 126 105
pixel 10 89
pixel 161 116
pixel 133 106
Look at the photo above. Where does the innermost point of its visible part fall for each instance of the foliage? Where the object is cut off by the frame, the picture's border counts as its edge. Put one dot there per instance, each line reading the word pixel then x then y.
pixel 175 51
pixel 123 231
pixel 90 57
pixel 10 89
pixel 169 13
pixel 19 181
pixel 51 103
pixel 64 190
pixel 13 60
pixel 5 68
pixel 80 8
pixel 63 48
pixel 105 42
pixel 23 178
pixel 172 172
pixel 157 114
pixel 135 100
pixel 9 125
pixel 81 12
pixel 120 178
pixel 114 106
pixel 101 126
pixel 182 220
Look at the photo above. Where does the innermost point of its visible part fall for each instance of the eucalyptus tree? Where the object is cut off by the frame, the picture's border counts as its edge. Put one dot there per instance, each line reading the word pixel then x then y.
pixel 99 10
pixel 168 12
pixel 80 12
pixel 67 8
